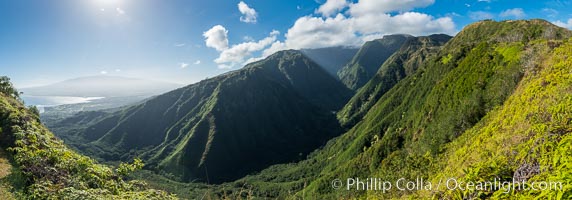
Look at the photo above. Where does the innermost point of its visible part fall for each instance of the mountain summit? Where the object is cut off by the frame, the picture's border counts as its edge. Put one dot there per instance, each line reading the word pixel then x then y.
pixel 273 111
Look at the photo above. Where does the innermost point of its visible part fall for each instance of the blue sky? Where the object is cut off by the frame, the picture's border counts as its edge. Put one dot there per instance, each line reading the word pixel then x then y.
pixel 185 41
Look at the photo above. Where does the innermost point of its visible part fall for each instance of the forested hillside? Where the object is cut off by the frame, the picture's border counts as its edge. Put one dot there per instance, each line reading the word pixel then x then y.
pixel 493 103
pixel 37 165
pixel 273 111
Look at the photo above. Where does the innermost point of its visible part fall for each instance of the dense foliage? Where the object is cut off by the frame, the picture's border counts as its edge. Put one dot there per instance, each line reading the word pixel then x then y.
pixel 7 88
pixel 401 64
pixel 494 102
pixel 51 171
pixel 273 111
pixel 485 106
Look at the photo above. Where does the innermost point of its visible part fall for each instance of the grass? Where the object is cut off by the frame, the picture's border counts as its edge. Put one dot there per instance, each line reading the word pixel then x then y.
pixel 5 170
pixel 11 179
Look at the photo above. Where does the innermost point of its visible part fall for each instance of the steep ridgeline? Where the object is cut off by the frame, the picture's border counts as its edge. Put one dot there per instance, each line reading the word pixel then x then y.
pixel 332 59
pixel 368 59
pixel 401 64
pixel 273 111
pixel 494 102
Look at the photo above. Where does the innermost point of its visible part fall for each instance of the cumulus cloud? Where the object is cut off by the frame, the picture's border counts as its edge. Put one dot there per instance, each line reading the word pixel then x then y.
pixel 517 13
pixel 331 7
pixel 364 20
pixel 217 38
pixel 480 15
pixel 239 53
pixel 198 62
pixel 567 24
pixel 317 32
pixel 103 72
pixel 249 15
pixel 339 23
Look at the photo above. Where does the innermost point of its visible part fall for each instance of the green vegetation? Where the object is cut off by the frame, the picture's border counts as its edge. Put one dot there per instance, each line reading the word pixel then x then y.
pixel 369 59
pixel 273 111
pixel 7 88
pixel 475 117
pixel 493 102
pixel 44 168
pixel 529 137
pixel 401 64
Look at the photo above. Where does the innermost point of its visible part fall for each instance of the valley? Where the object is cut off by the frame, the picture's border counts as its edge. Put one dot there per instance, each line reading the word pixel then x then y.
pixel 493 102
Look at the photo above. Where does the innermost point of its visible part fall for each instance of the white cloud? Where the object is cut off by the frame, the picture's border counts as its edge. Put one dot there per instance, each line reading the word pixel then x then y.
pixel 117 70
pixel 567 24
pixel 331 7
pixel 103 72
pixel 120 11
pixel 183 65
pixel 364 20
pixel 316 32
pixel 249 15
pixel 480 15
pixel 217 38
pixel 239 53
pixel 488 1
pixel 180 45
pixel 198 62
pixel 517 13
pixel 365 7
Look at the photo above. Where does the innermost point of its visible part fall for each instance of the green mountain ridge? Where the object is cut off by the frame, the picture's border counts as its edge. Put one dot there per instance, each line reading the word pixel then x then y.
pixel 493 102
pixel 368 59
pixel 273 111
pixel 437 122
pixel 401 64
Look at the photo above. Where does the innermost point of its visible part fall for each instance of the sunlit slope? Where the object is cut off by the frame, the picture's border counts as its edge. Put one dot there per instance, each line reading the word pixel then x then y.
pixel 401 64
pixel 44 168
pixel 273 111
pixel 408 128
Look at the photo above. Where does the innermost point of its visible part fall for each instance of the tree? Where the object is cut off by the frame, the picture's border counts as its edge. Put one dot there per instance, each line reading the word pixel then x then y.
pixel 7 88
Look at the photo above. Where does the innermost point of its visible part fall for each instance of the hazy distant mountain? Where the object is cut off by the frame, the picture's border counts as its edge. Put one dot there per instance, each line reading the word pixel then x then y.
pixel 272 111
pixel 369 59
pixel 102 86
pixel 332 59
